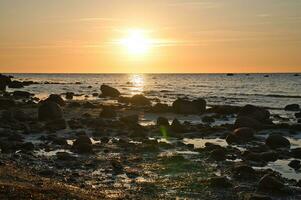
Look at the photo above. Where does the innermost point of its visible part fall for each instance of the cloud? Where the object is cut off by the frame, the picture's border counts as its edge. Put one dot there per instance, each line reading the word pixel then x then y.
pixel 203 4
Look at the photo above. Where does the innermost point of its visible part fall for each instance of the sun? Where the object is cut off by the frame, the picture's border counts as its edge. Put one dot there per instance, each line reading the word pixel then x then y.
pixel 137 42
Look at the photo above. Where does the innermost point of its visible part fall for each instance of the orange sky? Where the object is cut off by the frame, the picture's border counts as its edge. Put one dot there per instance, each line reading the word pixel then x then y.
pixel 201 36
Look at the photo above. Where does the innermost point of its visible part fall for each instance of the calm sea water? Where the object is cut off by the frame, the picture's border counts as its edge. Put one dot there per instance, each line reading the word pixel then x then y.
pixel 275 91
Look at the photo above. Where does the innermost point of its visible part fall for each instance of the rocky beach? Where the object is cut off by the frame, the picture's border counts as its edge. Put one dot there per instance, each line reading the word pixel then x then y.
pixel 108 145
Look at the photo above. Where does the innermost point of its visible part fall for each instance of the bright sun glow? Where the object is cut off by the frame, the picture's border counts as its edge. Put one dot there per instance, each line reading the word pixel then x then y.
pixel 137 42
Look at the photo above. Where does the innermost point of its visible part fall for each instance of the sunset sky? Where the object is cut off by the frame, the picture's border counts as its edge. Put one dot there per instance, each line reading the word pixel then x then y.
pixel 152 36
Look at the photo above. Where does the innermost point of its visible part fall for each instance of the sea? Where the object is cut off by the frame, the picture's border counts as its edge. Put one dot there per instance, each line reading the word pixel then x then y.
pixel 268 90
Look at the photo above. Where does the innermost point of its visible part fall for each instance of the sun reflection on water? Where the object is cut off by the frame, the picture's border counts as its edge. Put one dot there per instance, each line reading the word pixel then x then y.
pixel 137 81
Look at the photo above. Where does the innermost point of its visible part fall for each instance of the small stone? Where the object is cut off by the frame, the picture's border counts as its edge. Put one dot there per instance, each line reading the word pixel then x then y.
pixel 295 164
pixel 140 100
pixel 56 99
pixel 275 141
pixel 108 91
pixel 292 107
pixel 69 95
pixel 162 121
pixel 270 183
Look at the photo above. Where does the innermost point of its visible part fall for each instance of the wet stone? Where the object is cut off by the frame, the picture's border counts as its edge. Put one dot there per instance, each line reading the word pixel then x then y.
pixel 270 183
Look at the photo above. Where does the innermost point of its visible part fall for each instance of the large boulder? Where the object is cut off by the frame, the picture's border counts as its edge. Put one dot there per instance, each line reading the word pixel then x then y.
pixel 292 107
pixel 298 115
pixel 275 141
pixel 254 112
pixel 56 99
pixel 49 111
pixel 108 91
pixel 183 106
pixel 140 100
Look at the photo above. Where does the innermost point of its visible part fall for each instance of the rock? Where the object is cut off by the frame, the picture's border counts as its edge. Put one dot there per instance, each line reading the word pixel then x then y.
pixel 295 164
pixel 296 153
pixel 218 154
pixel 160 108
pixel 27 146
pixel 162 121
pixel 244 133
pixel 56 99
pixel 117 167
pixel 69 95
pixel 108 91
pixel 244 171
pixel 254 112
pixel 270 183
pixel 298 115
pixel 4 81
pixel 259 157
pixel 292 107
pixel 140 100
pixel 2 86
pixel 221 182
pixel 269 156
pixel 15 84
pixel 177 127
pixel 56 124
pixel 131 119
pixel 108 112
pixel 60 141
pixel 125 100
pixel 240 135
pixel 22 94
pixel 275 141
pixel 259 197
pixel 83 145
pixel 247 122
pixel 95 94
pixel 49 111
pixel 183 106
